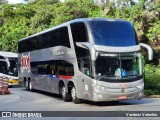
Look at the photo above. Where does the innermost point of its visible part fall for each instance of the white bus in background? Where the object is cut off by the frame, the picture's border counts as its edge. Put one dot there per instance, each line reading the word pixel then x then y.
pixel 8 66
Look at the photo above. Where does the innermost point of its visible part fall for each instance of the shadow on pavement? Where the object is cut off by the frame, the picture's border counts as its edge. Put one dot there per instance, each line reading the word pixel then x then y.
pixel 100 104
pixel 120 103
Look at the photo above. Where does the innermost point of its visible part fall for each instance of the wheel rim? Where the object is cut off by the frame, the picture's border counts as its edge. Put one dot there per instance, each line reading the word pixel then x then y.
pixel 26 84
pixel 30 85
pixel 73 93
pixel 63 91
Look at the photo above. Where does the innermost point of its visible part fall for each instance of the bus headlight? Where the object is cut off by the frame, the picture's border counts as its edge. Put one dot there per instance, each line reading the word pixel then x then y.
pixel 140 86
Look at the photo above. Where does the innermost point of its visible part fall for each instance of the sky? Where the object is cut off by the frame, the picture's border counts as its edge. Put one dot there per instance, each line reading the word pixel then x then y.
pixel 16 1
pixel 20 1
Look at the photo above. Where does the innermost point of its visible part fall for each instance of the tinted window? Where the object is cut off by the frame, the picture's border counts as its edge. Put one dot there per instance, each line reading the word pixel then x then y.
pixel 65 68
pixel 40 67
pixel 1 57
pixel 13 67
pixel 113 33
pixel 26 45
pixel 29 45
pixel 42 41
pixel 63 38
pixel 43 69
pixel 34 67
pixel 21 47
pixel 84 65
pixel 54 67
pixel 3 67
pixel 51 39
pixel 79 32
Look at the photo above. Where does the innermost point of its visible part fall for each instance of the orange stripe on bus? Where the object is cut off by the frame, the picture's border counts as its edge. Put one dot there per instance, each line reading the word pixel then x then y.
pixel 65 77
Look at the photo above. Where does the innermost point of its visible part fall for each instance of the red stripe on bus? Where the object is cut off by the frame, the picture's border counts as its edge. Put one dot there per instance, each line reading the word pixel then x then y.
pixel 65 77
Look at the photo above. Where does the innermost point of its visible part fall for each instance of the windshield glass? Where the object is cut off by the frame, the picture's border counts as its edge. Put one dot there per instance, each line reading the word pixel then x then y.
pixel 113 33
pixel 3 67
pixel 13 69
pixel 118 65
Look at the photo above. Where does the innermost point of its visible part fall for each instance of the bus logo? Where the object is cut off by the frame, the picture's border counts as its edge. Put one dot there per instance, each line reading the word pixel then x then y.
pixel 25 62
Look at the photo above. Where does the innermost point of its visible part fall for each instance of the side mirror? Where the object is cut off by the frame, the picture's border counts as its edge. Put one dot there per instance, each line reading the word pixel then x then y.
pixel 150 50
pixel 88 46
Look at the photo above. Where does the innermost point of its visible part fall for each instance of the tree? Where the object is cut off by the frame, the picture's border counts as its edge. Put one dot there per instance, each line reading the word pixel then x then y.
pixel 15 22
pixel 75 9
pixel 44 12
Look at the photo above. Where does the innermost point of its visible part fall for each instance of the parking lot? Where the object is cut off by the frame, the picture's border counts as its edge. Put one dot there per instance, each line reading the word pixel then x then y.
pixel 22 100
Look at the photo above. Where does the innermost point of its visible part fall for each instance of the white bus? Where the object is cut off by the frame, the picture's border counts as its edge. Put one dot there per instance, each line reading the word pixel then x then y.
pixel 8 66
pixel 93 59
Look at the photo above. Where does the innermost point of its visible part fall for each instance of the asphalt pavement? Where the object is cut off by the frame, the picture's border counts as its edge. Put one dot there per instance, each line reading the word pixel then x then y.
pixel 21 100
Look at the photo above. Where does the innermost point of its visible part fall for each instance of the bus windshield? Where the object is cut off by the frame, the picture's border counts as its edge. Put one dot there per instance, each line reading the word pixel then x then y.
pixel 13 69
pixel 3 67
pixel 113 33
pixel 117 66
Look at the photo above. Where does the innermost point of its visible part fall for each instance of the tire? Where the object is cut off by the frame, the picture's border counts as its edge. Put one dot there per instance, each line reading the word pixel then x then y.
pixel 30 86
pixel 65 96
pixel 74 96
pixel 26 85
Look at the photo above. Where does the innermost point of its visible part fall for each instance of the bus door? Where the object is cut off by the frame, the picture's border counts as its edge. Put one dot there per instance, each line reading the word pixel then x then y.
pixel 84 83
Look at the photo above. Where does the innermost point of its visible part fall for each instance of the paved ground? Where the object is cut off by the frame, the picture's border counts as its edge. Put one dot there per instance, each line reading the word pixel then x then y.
pixel 22 100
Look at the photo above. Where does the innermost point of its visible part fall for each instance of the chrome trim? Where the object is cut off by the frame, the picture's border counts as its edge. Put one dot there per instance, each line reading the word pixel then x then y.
pixel 117 49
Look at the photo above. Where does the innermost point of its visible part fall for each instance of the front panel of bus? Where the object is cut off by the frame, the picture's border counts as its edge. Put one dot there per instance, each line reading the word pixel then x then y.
pixel 119 76
pixel 117 71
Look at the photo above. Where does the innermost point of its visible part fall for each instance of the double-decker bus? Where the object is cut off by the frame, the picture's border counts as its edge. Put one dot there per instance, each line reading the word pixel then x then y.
pixel 8 66
pixel 93 59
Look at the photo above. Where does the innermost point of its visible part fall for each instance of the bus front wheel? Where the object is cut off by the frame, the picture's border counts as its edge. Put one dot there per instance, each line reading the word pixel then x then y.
pixel 74 96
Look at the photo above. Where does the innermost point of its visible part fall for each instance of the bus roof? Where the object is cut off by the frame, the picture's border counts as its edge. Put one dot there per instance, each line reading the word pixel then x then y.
pixel 74 21
pixel 8 54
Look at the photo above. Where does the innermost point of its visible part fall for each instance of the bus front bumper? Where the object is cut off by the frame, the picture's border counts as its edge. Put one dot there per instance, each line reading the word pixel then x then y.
pixel 117 94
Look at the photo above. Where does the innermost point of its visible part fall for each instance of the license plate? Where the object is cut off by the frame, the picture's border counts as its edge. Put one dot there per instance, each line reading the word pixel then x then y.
pixel 124 97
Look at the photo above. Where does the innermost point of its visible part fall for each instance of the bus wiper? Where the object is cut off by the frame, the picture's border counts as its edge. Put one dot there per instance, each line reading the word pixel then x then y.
pixel 101 77
pixel 133 75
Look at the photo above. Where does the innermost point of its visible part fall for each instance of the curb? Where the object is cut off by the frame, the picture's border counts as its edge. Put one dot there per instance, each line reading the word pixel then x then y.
pixel 152 96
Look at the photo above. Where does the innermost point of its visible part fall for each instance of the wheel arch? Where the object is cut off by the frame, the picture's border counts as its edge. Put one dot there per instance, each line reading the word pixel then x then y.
pixel 69 86
pixel 60 85
pixel 24 80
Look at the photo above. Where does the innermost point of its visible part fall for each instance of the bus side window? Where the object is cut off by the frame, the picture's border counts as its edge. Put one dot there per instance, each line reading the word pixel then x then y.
pixel 52 68
pixel 43 68
pixel 52 38
pixel 79 33
pixel 65 68
pixel 63 37
pixel 85 66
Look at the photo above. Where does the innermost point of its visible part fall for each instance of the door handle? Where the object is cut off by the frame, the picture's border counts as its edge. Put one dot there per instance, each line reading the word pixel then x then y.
pixel 82 80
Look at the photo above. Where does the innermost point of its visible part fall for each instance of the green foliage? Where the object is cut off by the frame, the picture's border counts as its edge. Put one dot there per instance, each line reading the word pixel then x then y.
pixel 42 18
pixel 7 11
pixel 14 26
pixel 74 9
pixel 152 79
pixel 21 20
